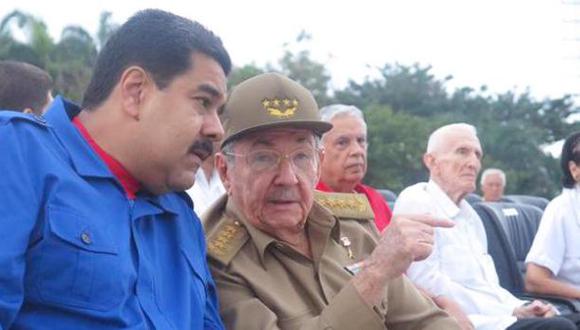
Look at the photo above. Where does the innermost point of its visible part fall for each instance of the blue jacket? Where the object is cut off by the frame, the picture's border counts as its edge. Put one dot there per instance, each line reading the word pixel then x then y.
pixel 75 253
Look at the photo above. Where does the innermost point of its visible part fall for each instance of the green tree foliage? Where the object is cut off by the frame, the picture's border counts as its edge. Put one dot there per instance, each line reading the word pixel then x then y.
pixel 403 105
pixel 512 128
pixel 240 74
pixel 106 28
pixel 69 61
pixel 396 144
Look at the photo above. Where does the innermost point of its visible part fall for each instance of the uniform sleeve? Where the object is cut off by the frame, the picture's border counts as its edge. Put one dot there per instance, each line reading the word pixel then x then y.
pixel 409 309
pixel 18 211
pixel 240 309
pixel 549 244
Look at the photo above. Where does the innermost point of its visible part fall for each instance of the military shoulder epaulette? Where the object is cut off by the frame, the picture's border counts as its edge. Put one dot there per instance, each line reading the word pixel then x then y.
pixel 226 240
pixel 342 205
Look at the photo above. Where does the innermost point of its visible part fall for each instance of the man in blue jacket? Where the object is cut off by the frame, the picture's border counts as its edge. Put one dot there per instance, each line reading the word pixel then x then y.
pixel 93 234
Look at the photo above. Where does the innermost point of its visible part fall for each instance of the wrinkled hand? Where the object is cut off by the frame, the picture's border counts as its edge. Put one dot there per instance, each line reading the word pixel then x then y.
pixel 406 239
pixel 536 308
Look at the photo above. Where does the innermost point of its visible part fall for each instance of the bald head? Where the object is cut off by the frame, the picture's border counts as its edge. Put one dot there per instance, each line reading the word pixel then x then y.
pixel 437 139
pixel 454 159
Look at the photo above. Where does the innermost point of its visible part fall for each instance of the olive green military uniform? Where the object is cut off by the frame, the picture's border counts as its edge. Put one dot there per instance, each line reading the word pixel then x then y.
pixel 265 284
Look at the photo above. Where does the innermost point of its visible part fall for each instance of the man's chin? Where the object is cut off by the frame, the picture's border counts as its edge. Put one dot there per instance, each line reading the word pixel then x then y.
pixel 183 184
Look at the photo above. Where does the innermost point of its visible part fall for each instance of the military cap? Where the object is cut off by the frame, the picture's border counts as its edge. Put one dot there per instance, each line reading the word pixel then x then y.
pixel 270 100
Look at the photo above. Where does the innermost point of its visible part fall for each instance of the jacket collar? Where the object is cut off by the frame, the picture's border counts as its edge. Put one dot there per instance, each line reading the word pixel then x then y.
pixel 84 159
pixel 319 223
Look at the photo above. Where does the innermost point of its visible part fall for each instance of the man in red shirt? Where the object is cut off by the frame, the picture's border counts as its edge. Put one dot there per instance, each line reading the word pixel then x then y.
pixel 345 158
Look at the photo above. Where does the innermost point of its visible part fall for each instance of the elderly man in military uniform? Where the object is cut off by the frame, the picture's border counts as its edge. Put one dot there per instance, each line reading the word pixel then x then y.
pixel 285 257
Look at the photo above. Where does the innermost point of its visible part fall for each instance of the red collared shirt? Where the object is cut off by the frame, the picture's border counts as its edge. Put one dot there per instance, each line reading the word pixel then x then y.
pixel 129 183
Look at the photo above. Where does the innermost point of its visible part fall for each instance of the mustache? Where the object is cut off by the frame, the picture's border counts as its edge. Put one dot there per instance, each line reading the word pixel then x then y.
pixel 203 148
pixel 284 194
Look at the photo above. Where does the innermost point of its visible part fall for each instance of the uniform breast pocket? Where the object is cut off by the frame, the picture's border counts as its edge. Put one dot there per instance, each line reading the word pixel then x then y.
pixel 77 263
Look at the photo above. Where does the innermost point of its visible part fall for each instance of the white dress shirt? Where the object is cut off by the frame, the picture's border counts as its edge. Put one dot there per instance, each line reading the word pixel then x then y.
pixel 459 267
pixel 204 192
pixel 556 245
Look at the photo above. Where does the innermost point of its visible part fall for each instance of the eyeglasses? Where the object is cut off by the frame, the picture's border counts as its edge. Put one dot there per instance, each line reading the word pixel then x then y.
pixel 303 160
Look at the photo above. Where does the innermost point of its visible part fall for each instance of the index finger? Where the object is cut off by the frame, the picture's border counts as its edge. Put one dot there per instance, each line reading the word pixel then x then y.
pixel 430 220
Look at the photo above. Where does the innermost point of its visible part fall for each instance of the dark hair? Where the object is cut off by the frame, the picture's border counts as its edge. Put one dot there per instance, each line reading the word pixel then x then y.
pixel 22 86
pixel 161 43
pixel 570 153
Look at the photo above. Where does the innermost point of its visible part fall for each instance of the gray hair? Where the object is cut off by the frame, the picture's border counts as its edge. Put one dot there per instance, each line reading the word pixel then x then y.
pixel 492 171
pixel 436 139
pixel 329 112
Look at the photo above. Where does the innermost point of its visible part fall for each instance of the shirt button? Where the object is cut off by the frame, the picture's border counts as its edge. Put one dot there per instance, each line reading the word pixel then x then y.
pixel 86 238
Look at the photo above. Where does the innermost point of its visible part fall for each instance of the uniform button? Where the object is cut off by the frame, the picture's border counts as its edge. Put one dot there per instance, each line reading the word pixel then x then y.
pixel 86 238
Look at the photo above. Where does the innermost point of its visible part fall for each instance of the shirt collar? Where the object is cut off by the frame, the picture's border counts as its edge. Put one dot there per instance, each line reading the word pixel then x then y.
pixel 318 222
pixel 449 208
pixel 445 203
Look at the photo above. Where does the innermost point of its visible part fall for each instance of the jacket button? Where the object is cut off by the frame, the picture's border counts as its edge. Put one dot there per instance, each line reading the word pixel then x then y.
pixel 86 238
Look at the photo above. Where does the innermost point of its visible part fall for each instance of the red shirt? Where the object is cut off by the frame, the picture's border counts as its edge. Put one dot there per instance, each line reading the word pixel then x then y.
pixel 380 208
pixel 129 183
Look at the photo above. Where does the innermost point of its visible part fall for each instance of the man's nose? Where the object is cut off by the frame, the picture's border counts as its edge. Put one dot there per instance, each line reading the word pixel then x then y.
pixel 287 174
pixel 474 161
pixel 212 127
pixel 357 149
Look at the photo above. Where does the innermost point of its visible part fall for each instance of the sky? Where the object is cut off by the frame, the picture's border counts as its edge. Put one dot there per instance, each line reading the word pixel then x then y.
pixel 515 45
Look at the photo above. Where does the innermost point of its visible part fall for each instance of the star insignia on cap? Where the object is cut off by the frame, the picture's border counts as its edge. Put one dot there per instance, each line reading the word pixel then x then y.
pixel 280 108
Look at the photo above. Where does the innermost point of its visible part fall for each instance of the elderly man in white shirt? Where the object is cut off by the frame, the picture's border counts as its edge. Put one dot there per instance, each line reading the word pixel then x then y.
pixel 460 267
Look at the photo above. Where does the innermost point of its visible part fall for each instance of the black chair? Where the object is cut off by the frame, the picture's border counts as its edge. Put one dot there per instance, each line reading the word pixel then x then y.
pixel 510 230
pixel 536 201
pixel 389 196
pixel 473 199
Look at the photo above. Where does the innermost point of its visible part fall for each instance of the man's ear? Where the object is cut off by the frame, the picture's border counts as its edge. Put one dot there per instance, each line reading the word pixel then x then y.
pixel 134 84
pixel 222 168
pixel 574 170
pixel 429 161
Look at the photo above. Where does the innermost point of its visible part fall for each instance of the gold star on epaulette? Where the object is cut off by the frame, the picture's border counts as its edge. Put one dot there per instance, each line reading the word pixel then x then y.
pixel 226 240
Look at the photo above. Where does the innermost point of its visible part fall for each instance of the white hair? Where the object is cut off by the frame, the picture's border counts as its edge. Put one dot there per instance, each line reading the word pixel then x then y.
pixel 492 171
pixel 437 138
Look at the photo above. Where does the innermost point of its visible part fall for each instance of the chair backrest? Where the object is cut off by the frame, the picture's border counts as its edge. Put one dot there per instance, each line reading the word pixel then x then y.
pixel 539 202
pixel 499 247
pixel 388 195
pixel 520 223
pixel 473 199
pixel 510 230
